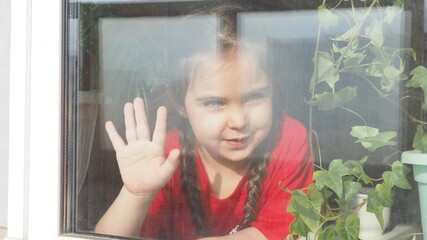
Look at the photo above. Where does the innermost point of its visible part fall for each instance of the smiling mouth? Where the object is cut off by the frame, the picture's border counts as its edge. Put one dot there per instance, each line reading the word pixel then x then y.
pixel 237 142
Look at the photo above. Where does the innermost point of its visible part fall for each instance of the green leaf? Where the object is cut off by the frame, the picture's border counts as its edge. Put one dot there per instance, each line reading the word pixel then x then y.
pixel 349 34
pixel 333 177
pixel 398 175
pixel 326 71
pixel 327 234
pixel 298 227
pixel 326 17
pixel 375 33
pixel 315 196
pixel 392 76
pixel 357 169
pixel 348 229
pixel 301 206
pixel 343 206
pixel 419 80
pixel 354 61
pixel 420 139
pixel 351 188
pixel 393 11
pixel 371 138
pixel 363 160
pixel 361 132
pixel 331 100
pixel 379 199
pixel 375 69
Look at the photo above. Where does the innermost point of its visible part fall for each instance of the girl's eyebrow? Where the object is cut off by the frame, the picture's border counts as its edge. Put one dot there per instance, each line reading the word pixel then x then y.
pixel 253 91
pixel 210 97
pixel 256 90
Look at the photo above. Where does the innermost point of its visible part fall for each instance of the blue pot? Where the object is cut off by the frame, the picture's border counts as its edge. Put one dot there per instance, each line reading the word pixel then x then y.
pixel 419 162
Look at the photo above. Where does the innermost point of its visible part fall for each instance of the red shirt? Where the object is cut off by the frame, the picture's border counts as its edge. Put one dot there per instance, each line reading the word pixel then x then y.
pixel 290 163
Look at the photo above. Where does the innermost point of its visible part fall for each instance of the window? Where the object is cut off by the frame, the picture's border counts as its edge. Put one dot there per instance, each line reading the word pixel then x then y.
pixel 115 51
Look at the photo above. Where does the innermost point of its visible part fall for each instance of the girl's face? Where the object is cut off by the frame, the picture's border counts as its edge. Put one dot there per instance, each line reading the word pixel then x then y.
pixel 230 111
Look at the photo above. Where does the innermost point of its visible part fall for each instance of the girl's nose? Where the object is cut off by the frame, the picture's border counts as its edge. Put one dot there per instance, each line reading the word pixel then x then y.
pixel 237 118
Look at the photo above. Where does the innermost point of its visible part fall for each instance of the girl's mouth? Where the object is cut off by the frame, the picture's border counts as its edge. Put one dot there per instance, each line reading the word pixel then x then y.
pixel 236 142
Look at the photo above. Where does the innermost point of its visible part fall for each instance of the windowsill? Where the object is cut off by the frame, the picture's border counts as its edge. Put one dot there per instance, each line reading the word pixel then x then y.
pixel 3 232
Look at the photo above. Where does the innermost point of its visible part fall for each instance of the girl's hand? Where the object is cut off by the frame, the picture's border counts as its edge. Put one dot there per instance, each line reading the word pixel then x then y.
pixel 142 163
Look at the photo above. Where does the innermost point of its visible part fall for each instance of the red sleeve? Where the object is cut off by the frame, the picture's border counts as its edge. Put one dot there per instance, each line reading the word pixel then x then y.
pixel 291 166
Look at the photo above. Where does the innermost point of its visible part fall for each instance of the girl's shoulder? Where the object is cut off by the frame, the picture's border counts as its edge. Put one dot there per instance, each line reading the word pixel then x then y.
pixel 291 143
pixel 290 122
pixel 292 129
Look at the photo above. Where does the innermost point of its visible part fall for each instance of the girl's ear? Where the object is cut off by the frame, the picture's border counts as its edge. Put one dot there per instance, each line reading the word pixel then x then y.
pixel 173 99
pixel 182 112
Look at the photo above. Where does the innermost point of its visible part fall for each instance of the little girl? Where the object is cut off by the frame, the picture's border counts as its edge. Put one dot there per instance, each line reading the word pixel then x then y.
pixel 216 174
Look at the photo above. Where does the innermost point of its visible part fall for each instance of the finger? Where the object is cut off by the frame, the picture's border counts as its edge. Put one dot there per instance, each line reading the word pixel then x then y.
pixel 159 135
pixel 142 128
pixel 114 136
pixel 171 163
pixel 130 123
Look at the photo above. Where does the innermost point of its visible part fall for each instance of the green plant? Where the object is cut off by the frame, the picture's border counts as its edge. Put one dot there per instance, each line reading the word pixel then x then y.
pixel 359 54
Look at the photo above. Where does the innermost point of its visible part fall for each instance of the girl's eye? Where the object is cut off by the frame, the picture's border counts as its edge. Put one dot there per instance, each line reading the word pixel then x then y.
pixel 213 103
pixel 254 97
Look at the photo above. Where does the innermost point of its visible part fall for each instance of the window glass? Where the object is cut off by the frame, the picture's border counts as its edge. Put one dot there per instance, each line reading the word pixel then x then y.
pixel 253 90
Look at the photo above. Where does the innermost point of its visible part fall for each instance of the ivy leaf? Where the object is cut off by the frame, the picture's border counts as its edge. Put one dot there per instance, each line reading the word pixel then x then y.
pixel 326 71
pixel 420 139
pixel 392 76
pixel 354 61
pixel 376 69
pixel 371 138
pixel 379 199
pixel 357 169
pixel 343 206
pixel 361 132
pixel 333 177
pixel 289 237
pixel 351 188
pixel 301 206
pixel 398 175
pixel 393 11
pixel 375 33
pixel 419 80
pixel 349 34
pixel 327 234
pixel 315 196
pixel 326 17
pixel 363 160
pixel 331 100
pixel 348 229
pixel 298 227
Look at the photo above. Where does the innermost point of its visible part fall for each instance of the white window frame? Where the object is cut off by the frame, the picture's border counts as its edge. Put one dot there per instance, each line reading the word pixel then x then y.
pixel 34 195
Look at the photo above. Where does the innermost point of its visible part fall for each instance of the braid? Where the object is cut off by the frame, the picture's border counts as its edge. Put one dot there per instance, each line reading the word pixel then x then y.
pixel 189 183
pixel 255 176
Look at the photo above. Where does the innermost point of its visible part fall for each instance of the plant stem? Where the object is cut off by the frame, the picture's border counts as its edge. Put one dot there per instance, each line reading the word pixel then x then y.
pixel 409 235
pixel 355 113
pixel 340 60
pixel 318 148
pixel 320 167
pixel 314 78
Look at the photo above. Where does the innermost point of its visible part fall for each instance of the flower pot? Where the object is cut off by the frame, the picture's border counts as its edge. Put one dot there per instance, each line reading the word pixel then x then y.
pixel 419 163
pixel 370 228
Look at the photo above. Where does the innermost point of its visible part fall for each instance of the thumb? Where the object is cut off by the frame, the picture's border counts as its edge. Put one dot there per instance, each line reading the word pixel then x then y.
pixel 171 163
